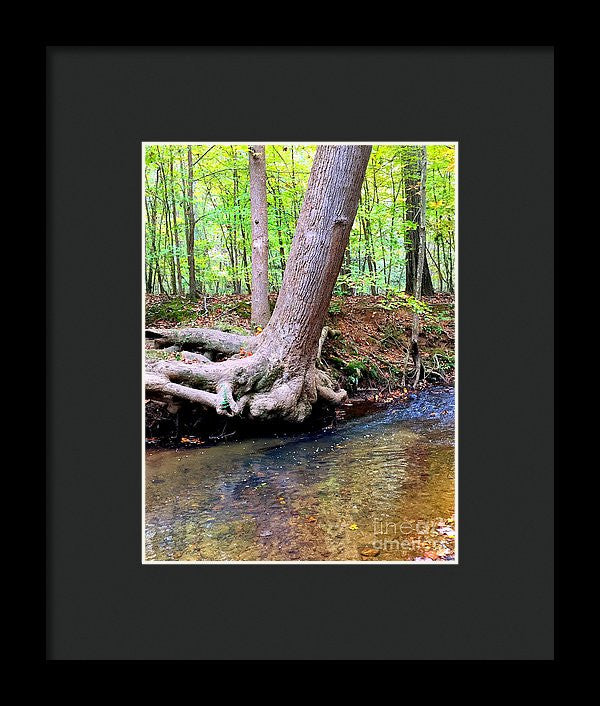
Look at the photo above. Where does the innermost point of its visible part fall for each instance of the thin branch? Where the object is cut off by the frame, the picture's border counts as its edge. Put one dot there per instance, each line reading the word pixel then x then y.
pixel 204 155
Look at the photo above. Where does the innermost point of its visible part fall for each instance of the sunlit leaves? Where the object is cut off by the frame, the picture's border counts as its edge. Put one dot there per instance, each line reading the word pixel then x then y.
pixel 223 228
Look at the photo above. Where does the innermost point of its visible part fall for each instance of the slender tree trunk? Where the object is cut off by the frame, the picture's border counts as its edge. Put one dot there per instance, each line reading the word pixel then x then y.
pixel 391 237
pixel 436 261
pixel 175 229
pixel 260 237
pixel 280 223
pixel 418 282
pixel 347 272
pixel 379 229
pixel 191 224
pixel 411 237
pixel 279 217
pixel 150 228
pixel 368 255
pixel 245 260
pixel 238 222
pixel 152 212
pixel 169 231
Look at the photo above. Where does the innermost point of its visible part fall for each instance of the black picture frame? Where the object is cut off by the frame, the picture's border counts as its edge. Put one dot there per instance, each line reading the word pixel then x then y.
pixel 102 102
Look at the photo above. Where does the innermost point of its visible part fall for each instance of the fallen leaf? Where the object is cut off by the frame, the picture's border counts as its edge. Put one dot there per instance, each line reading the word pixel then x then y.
pixel 369 551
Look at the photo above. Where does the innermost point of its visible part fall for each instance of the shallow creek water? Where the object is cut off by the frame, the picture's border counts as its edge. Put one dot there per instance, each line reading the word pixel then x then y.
pixel 377 488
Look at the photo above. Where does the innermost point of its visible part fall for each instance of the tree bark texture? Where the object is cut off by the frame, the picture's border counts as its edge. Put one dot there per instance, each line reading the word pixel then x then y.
pixel 260 237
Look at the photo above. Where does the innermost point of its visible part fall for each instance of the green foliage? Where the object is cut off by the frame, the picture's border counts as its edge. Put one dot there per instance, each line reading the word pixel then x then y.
pixel 335 308
pixel 434 318
pixel 401 300
pixel 433 328
pixel 223 228
pixel 441 316
pixel 224 402
pixel 338 362
pixel 175 311
pixel 355 371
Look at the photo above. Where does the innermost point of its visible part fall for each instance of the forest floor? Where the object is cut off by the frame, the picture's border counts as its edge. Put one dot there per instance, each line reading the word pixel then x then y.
pixel 365 350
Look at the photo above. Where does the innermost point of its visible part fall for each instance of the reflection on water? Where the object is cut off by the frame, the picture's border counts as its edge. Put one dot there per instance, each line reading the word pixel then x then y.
pixel 374 489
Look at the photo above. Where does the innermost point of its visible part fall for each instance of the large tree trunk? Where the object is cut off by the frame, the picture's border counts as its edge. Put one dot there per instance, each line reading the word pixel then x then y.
pixel 260 237
pixel 279 379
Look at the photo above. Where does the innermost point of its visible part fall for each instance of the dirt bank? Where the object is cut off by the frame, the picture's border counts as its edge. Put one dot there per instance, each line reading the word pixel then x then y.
pixel 365 349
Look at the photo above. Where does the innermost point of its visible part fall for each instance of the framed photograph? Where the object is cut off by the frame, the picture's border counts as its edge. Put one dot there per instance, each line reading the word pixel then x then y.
pixel 312 304
pixel 299 357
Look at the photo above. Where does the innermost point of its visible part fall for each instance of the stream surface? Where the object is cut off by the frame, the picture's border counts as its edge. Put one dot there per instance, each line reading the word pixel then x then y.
pixel 377 488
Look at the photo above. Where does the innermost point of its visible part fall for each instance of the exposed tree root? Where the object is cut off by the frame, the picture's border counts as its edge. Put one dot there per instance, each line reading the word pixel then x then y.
pixel 257 386
pixel 436 372
pixel 204 339
pixel 326 391
pixel 322 337
pixel 161 386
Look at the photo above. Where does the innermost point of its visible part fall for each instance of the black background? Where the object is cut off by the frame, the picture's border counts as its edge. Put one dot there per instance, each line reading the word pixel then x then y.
pixel 102 603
